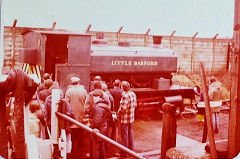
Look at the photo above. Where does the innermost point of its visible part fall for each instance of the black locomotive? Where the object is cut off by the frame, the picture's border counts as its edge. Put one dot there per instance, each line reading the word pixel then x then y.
pixel 64 53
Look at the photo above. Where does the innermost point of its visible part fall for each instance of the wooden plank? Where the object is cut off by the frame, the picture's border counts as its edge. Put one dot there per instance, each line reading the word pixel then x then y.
pixel 233 128
pixel 208 112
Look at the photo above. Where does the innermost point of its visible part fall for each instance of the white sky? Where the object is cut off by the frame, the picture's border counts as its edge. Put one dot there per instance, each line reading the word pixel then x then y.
pixel 207 17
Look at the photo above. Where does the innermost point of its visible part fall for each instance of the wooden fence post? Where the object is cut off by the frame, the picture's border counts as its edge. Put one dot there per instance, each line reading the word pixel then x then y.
pixel 146 37
pixel 208 112
pixel 193 51
pixel 213 52
pixel 170 39
pixel 118 34
pixel 169 128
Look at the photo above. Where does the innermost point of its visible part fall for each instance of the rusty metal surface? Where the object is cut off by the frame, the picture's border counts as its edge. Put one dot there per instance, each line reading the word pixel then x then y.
pixel 64 70
pixel 185 93
pixel 31 51
pixel 79 49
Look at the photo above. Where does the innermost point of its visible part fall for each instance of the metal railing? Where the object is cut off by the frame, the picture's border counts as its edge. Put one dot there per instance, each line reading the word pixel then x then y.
pixel 95 133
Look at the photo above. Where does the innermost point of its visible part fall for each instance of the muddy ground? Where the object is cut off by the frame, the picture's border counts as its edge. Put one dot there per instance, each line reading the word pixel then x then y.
pixel 148 132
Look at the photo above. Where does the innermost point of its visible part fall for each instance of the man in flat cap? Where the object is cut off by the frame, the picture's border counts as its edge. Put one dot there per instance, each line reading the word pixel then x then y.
pixel 76 96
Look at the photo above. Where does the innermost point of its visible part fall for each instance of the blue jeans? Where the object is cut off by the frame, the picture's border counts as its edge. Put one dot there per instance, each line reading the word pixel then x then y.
pixel 127 135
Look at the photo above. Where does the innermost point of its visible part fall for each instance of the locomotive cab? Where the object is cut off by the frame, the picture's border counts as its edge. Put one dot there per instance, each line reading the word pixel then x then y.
pixel 58 53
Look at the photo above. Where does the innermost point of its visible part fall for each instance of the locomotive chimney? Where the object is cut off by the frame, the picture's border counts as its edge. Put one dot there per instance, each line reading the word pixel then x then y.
pixel 157 40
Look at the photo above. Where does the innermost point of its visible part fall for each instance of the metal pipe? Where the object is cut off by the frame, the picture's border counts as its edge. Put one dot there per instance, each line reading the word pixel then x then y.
pixel 213 52
pixel 88 28
pixel 170 38
pixel 118 32
pixel 192 55
pixel 53 25
pixel 120 29
pixel 14 23
pixel 174 31
pixel 148 31
pixel 99 135
pixel 215 36
pixel 13 49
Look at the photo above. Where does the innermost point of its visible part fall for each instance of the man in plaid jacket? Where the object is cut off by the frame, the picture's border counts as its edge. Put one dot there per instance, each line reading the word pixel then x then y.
pixel 126 115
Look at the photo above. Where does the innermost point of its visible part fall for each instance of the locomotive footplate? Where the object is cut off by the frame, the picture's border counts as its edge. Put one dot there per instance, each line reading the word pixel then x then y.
pixel 150 100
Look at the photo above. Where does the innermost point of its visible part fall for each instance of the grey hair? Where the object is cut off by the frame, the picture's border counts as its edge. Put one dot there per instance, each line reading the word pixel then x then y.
pixel 125 85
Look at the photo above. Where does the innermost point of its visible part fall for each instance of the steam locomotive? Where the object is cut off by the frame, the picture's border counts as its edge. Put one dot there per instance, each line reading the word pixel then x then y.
pixel 64 53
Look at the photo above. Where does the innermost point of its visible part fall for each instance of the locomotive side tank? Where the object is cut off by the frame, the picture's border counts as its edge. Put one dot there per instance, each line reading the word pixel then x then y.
pixel 138 65
pixel 109 59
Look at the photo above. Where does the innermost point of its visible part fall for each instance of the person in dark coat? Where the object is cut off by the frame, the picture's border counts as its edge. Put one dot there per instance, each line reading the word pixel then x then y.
pixel 22 88
pixel 116 92
pixel 45 92
pixel 64 108
pixel 91 100
pixel 3 123
pixel 42 85
pixel 100 115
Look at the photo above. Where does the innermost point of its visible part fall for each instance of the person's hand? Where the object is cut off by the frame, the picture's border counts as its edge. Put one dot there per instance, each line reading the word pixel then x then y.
pixel 114 116
pixel 195 89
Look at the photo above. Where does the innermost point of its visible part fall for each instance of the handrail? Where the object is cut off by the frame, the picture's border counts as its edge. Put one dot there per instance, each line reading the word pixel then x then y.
pixel 101 136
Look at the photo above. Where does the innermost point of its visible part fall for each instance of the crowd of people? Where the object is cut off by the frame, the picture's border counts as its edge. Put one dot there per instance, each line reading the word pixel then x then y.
pixel 111 111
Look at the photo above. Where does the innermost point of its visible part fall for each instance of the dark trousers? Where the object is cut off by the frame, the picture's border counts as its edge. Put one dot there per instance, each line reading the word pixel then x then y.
pixel 80 143
pixel 19 138
pixel 3 130
pixel 127 136
pixel 113 130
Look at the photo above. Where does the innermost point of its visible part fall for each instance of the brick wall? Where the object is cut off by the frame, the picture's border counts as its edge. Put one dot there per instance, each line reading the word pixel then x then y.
pixel 213 52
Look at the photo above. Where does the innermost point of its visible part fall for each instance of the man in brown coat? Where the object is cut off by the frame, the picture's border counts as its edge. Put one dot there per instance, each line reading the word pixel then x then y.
pixel 76 96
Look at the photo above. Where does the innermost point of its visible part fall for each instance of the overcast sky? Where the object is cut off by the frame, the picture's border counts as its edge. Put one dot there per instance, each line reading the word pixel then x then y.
pixel 207 17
